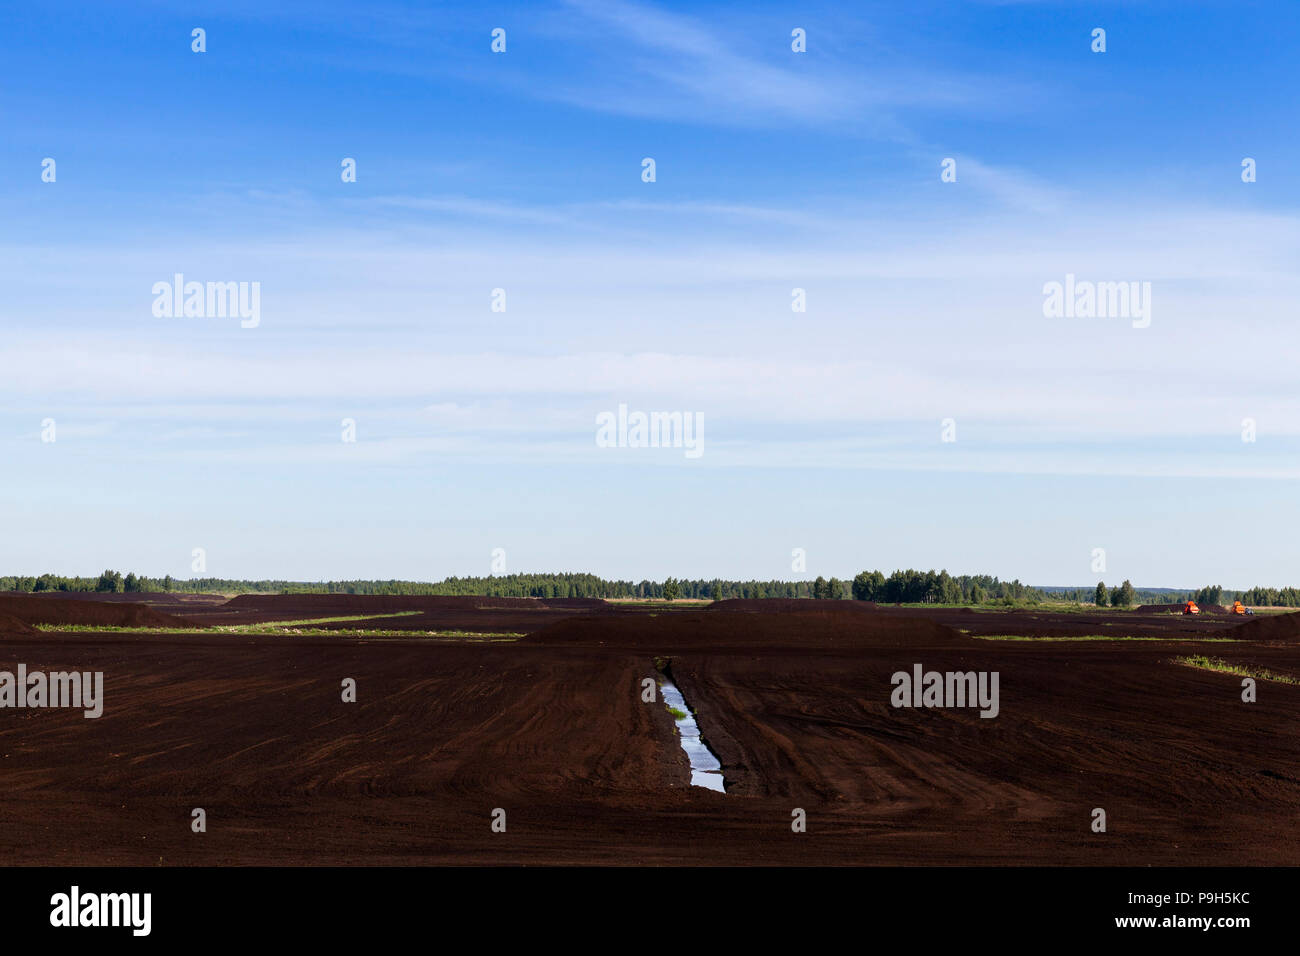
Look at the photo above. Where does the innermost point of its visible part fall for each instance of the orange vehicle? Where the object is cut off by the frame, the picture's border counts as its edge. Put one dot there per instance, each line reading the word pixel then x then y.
pixel 1191 608
pixel 1239 608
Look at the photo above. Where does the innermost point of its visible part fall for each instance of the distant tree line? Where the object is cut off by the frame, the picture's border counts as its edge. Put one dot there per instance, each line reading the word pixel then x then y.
pixel 940 587
pixel 1271 597
pixel 111 582
pixel 1139 595
pixel 1126 596
pixel 900 587
pixel 1122 595
pixel 506 585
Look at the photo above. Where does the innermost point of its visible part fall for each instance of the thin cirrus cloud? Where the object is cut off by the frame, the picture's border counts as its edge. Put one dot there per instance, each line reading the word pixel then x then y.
pixel 661 64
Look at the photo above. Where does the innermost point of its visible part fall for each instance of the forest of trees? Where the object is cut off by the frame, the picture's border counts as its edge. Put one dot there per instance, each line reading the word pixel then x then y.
pixel 1123 595
pixel 900 587
pixel 110 582
pixel 939 587
pixel 1270 597
pixel 505 585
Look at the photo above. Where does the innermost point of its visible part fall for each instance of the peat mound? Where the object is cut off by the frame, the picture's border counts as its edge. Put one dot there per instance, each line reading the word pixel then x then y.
pixel 1269 627
pixel 796 605
pixel 163 599
pixel 11 625
pixel 1216 609
pixel 320 604
pixel 703 630
pixel 41 610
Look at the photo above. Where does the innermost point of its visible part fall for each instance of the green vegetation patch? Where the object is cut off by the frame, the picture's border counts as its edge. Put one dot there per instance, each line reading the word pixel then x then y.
pixel 1241 670
pixel 1102 637
pixel 262 630
pixel 274 625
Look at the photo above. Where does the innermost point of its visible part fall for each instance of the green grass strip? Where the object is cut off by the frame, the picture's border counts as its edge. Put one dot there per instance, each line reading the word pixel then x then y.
pixel 1103 637
pixel 272 625
pixel 282 631
pixel 1241 670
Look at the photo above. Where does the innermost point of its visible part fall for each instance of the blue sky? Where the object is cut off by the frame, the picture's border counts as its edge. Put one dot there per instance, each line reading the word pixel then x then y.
pixel 775 170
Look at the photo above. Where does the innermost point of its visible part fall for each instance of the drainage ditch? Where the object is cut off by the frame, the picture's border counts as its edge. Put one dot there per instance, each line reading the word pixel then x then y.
pixel 706 768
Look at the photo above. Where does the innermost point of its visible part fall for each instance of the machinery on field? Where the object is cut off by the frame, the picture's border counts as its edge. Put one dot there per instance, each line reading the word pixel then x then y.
pixel 1191 608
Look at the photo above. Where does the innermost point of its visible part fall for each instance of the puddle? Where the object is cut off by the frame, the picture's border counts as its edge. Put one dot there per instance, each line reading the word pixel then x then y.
pixel 706 769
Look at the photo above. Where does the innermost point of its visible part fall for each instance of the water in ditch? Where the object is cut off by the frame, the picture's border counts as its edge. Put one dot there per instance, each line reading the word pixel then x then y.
pixel 706 769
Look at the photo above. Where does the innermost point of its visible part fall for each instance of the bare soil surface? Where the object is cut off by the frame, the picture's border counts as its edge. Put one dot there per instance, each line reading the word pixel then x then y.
pixel 12 625
pixel 434 613
pixel 37 609
pixel 1270 627
pixel 552 729
pixel 1034 623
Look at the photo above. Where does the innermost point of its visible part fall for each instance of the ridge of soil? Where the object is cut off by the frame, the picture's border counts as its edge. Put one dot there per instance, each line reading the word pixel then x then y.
pixel 31 609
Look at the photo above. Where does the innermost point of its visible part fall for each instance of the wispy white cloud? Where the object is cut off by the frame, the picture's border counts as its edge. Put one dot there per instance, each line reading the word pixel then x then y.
pixel 1013 188
pixel 681 305
pixel 669 65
